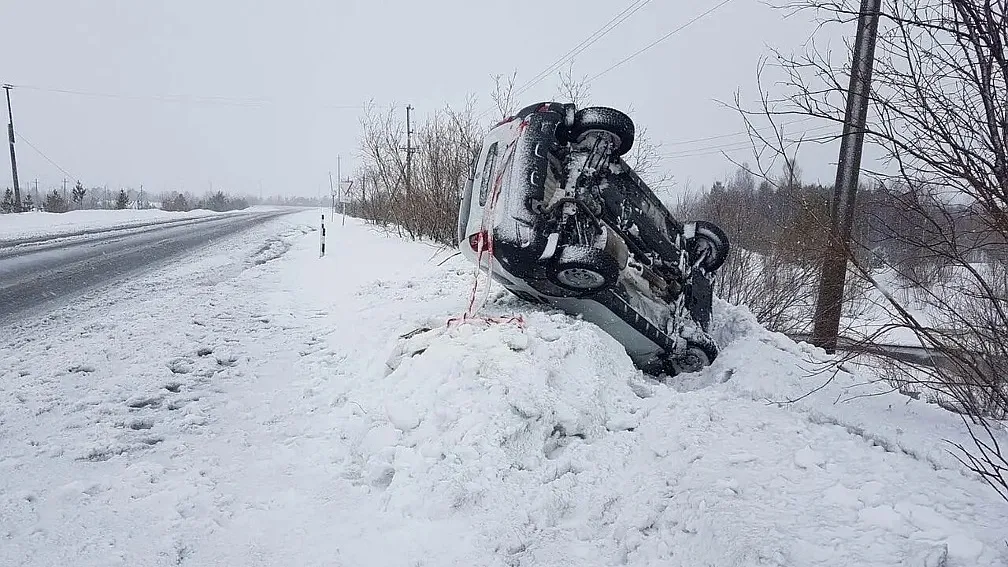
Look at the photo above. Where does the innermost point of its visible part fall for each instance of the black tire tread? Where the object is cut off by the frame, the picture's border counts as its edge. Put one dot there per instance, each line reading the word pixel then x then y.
pixel 719 234
pixel 608 119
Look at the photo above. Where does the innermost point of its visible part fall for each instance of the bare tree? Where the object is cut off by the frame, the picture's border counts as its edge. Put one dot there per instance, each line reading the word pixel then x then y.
pixel 646 159
pixel 504 96
pixel 446 145
pixel 645 156
pixel 939 117
pixel 571 89
pixel 385 164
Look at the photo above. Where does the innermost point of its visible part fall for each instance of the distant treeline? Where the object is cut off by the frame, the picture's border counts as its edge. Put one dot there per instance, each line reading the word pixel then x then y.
pixel 217 201
pixel 80 197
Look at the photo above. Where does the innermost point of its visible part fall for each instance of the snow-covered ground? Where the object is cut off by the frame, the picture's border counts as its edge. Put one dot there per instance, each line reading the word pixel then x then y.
pixel 258 406
pixel 37 224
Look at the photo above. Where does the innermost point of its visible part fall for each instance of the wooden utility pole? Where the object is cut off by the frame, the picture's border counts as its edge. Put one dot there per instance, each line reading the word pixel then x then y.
pixel 332 196
pixel 13 158
pixel 409 151
pixel 826 325
pixel 363 195
pixel 349 181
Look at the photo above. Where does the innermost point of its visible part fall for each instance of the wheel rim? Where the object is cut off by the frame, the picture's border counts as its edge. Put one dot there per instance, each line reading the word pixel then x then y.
pixel 616 141
pixel 693 360
pixel 581 278
pixel 713 243
pixel 706 247
pixel 712 247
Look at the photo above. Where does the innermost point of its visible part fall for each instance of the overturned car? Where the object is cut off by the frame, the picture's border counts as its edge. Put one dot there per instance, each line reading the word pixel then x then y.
pixel 554 213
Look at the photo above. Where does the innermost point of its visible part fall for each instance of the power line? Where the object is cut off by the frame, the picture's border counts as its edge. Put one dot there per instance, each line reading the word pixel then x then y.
pixel 585 43
pixel 41 153
pixel 618 19
pixel 698 152
pixel 177 98
pixel 613 22
pixel 705 150
pixel 732 135
pixel 661 39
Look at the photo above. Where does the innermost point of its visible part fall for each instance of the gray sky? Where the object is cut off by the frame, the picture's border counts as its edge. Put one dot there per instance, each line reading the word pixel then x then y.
pixel 236 92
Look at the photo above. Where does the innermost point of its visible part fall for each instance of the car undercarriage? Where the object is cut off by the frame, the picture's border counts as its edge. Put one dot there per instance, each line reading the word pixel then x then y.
pixel 573 225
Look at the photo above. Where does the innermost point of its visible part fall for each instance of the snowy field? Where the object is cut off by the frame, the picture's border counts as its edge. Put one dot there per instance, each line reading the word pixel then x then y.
pixel 257 406
pixel 38 224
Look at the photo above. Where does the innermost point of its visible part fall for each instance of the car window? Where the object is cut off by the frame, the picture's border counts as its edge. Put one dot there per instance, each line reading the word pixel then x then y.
pixel 463 220
pixel 488 170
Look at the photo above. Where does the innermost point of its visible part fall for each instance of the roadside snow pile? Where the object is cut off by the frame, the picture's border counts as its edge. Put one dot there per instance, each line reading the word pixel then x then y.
pixel 803 379
pixel 36 224
pixel 264 406
pixel 558 451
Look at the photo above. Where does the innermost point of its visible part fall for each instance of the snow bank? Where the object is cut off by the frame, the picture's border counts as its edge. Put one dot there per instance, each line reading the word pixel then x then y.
pixel 37 224
pixel 559 451
pixel 265 406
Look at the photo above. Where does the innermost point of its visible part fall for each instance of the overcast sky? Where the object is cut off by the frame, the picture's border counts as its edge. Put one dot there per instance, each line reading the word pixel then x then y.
pixel 186 93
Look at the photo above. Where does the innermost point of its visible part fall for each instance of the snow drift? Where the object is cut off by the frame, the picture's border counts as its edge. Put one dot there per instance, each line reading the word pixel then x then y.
pixel 559 452
pixel 264 406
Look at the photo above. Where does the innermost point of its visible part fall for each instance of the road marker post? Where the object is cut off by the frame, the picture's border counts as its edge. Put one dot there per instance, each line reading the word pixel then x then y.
pixel 322 236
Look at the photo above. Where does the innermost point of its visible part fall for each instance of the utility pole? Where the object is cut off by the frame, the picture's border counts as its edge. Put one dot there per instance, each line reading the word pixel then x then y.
pixel 409 151
pixel 332 195
pixel 363 194
pixel 13 158
pixel 349 181
pixel 826 325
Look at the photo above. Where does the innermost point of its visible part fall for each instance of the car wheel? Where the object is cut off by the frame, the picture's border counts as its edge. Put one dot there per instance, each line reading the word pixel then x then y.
pixel 693 360
pixel 609 120
pixel 584 270
pixel 709 239
pixel 696 357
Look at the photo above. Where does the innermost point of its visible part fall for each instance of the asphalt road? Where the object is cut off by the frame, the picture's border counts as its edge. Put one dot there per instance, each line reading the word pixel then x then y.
pixel 40 274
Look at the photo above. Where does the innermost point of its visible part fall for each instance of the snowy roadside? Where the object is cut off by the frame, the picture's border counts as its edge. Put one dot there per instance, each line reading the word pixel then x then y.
pixel 37 225
pixel 257 407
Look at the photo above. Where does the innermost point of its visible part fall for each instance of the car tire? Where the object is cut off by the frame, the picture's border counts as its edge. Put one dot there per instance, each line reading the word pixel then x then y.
pixel 694 359
pixel 612 121
pixel 584 270
pixel 709 236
